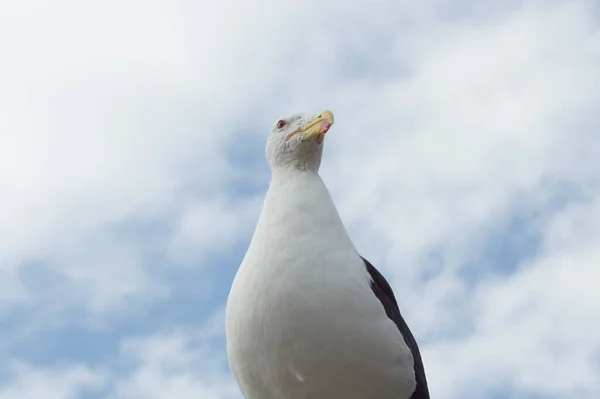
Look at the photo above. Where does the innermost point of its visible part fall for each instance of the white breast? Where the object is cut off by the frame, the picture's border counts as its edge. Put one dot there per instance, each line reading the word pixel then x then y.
pixel 302 321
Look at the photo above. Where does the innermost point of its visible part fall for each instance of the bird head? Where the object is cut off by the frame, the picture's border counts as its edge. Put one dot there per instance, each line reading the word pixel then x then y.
pixel 296 141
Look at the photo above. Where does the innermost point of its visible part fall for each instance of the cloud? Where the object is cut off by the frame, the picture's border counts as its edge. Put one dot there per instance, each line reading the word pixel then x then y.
pixel 176 364
pixel 535 323
pixel 110 127
pixel 60 383
pixel 464 162
pixel 493 124
pixel 179 363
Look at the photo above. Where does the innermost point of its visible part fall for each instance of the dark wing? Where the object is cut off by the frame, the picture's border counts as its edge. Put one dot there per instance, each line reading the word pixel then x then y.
pixel 384 292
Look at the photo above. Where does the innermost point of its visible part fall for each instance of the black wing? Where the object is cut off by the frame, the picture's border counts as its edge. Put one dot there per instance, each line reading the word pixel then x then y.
pixel 384 292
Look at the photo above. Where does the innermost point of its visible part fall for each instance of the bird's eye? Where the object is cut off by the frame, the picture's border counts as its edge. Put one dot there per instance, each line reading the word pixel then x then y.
pixel 281 124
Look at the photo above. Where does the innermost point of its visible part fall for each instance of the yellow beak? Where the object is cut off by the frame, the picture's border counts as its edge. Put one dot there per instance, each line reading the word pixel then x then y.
pixel 317 127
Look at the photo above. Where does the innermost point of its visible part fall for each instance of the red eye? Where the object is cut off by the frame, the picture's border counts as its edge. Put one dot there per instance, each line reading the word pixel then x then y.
pixel 281 124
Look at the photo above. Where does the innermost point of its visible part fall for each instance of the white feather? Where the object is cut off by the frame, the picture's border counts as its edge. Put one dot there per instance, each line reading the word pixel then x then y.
pixel 302 321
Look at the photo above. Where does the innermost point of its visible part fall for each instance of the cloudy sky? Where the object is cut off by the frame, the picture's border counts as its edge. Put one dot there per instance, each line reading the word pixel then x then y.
pixel 464 161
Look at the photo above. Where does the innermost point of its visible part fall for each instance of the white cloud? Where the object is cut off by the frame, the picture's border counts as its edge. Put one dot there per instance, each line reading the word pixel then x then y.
pixel 60 383
pixel 176 364
pixel 486 117
pixel 535 330
pixel 180 363
pixel 494 119
pixel 114 109
pixel 212 224
pixel 449 120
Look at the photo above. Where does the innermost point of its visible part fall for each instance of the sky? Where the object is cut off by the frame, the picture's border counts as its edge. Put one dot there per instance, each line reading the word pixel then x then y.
pixel 464 163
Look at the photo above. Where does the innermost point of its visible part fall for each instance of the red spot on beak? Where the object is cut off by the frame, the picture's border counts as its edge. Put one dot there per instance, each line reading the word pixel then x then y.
pixel 325 127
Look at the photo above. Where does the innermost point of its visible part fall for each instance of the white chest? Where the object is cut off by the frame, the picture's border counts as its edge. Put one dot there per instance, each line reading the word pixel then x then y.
pixel 311 338
pixel 302 322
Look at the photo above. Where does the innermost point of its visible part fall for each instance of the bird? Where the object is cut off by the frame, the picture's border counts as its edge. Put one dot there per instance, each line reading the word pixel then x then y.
pixel 307 316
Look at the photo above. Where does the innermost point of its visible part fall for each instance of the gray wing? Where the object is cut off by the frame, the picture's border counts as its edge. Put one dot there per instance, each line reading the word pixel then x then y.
pixel 382 290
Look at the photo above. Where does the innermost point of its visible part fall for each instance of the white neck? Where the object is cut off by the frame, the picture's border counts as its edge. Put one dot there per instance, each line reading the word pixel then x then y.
pixel 298 210
pixel 300 196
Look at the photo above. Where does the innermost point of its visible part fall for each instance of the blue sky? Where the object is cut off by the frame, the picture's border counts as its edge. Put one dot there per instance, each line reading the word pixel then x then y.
pixel 463 162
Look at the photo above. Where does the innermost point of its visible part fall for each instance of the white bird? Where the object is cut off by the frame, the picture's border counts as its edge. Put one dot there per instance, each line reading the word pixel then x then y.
pixel 307 316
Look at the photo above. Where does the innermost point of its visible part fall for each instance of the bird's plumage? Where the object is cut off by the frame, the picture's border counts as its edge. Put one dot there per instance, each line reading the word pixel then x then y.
pixel 307 317
pixel 381 288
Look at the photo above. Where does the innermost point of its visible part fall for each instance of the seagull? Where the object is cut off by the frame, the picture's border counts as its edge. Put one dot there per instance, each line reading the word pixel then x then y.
pixel 307 316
